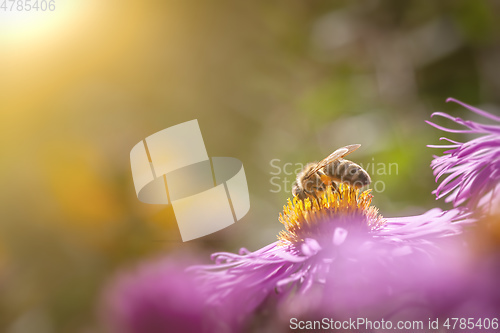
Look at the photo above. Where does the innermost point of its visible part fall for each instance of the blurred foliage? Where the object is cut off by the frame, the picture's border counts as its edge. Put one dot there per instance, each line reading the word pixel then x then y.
pixel 289 80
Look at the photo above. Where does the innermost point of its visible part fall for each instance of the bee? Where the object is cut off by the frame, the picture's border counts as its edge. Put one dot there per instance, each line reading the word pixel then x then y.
pixel 316 177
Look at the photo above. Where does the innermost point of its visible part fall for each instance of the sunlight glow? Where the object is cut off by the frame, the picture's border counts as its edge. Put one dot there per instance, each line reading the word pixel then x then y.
pixel 18 25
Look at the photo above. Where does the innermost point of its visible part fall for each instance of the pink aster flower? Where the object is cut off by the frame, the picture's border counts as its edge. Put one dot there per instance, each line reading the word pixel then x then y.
pixel 339 244
pixel 471 169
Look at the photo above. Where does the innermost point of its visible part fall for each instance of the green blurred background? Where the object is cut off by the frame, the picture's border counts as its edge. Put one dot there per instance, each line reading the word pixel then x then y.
pixel 287 80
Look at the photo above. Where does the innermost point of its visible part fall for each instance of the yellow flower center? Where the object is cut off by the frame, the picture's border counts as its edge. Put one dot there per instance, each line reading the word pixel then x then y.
pixel 340 208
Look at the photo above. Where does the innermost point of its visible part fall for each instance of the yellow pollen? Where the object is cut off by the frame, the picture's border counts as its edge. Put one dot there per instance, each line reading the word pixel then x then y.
pixel 301 218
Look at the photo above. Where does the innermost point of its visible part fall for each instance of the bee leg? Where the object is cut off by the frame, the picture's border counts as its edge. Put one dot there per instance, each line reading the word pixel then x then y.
pixel 325 180
pixel 302 195
pixel 334 186
pixel 312 195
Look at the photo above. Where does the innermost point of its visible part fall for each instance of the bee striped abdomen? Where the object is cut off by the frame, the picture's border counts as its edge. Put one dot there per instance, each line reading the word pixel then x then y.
pixel 346 171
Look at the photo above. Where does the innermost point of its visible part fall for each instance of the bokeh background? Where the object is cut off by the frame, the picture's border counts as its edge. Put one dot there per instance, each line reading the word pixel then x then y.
pixel 285 80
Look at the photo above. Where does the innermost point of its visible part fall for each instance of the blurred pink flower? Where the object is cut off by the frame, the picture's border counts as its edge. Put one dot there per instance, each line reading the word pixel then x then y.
pixel 156 297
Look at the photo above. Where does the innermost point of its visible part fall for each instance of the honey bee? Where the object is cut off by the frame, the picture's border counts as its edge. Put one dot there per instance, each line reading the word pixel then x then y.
pixel 316 177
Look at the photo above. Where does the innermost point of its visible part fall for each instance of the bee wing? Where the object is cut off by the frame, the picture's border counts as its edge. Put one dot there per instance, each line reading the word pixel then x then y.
pixel 339 153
